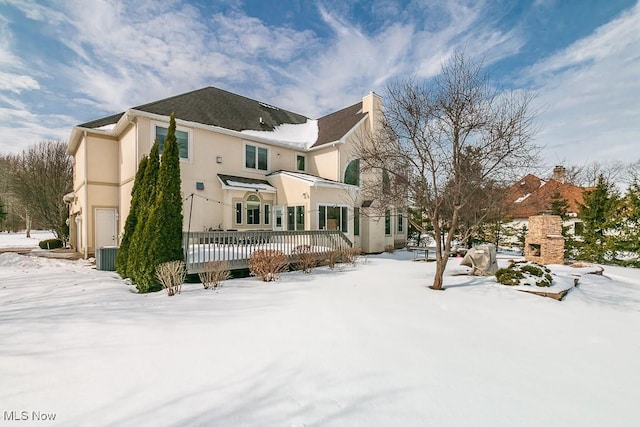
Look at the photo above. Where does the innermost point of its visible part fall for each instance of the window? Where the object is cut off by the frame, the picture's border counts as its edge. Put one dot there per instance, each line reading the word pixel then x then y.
pixel 295 218
pixel 386 182
pixel 267 213
pixel 333 218
pixel 352 173
pixel 253 210
pixel 400 225
pixel 300 163
pixel 255 157
pixel 387 222
pixel 238 213
pixel 356 221
pixel 182 138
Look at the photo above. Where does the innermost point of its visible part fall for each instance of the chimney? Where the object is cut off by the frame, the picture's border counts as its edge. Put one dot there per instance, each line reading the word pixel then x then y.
pixel 559 174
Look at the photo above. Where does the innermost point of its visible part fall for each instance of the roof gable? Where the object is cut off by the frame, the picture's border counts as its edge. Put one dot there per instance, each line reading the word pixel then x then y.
pixel 334 126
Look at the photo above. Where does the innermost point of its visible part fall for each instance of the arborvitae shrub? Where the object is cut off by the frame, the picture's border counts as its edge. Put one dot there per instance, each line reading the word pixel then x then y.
pixel 267 264
pixel 50 244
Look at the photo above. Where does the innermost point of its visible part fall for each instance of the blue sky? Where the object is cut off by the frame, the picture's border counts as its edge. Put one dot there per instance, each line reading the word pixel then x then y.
pixel 69 61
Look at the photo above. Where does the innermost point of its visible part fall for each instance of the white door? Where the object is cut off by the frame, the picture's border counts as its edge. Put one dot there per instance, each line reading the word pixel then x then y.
pixel 105 227
pixel 278 218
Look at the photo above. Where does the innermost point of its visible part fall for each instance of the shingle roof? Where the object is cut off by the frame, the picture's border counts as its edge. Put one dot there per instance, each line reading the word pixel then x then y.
pixel 334 126
pixel 216 107
pixel 532 196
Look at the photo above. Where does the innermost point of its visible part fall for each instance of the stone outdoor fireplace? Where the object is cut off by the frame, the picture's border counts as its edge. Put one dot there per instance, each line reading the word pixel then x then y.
pixel 544 243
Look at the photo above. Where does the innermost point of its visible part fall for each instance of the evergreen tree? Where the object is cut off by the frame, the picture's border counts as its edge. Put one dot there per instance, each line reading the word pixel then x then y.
pixel 136 260
pixel 132 219
pixel 600 214
pixel 630 241
pixel 165 223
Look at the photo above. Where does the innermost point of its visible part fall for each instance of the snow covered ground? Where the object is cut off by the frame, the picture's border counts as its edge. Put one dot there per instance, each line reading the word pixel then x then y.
pixel 368 345
pixel 20 240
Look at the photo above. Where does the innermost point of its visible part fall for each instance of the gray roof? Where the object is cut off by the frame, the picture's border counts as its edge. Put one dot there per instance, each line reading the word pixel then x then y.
pixel 216 107
pixel 334 126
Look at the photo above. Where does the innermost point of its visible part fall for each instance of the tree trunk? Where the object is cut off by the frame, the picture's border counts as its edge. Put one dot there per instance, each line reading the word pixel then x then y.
pixel 438 281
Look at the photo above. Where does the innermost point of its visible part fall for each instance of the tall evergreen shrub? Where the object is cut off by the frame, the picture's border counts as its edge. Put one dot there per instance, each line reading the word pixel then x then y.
pixel 132 219
pixel 165 223
pixel 137 266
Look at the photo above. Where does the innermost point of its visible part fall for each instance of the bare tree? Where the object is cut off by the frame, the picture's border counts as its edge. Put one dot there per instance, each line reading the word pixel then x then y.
pixel 587 174
pixel 38 179
pixel 446 145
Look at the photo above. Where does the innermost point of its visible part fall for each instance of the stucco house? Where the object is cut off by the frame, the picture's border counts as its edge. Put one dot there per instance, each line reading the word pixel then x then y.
pixel 245 165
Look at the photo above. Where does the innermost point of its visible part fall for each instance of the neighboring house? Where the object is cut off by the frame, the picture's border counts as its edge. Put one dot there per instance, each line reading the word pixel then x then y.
pixel 245 165
pixel 534 196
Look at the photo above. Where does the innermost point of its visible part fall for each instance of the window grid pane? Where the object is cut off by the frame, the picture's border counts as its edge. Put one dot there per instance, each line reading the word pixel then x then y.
pixel 262 159
pixel 250 157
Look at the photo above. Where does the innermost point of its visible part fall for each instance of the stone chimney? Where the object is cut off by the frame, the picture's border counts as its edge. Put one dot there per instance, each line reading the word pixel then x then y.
pixel 559 174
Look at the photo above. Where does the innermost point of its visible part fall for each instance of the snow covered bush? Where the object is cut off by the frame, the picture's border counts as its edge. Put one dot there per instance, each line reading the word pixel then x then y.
pixel 525 273
pixel 215 273
pixel 171 275
pixel 50 244
pixel 267 264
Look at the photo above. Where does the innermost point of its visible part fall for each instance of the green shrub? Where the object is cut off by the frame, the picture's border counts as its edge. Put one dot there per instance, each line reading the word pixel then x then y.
pixel 50 244
pixel 525 273
pixel 509 276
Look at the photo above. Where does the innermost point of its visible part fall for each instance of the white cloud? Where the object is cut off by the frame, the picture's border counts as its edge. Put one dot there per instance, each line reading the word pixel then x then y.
pixel 589 92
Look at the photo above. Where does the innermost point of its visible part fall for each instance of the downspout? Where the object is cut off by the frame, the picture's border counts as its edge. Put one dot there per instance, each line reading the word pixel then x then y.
pixel 85 223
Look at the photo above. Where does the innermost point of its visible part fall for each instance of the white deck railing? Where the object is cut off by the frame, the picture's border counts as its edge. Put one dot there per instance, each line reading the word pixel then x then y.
pixel 236 247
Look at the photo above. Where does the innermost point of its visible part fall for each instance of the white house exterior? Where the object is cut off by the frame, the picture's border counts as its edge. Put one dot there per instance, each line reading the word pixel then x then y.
pixel 245 165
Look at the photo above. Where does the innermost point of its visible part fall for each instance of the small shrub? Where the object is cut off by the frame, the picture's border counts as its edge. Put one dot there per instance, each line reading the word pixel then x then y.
pixel 350 255
pixel 334 257
pixel 267 264
pixel 50 244
pixel 171 275
pixel 215 273
pixel 306 260
pixel 389 249
pixel 525 273
pixel 532 269
pixel 508 276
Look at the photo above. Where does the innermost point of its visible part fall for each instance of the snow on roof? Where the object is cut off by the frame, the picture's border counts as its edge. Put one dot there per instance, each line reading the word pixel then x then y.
pixel 313 180
pixel 253 186
pixel 301 136
pixel 107 127
pixel 523 198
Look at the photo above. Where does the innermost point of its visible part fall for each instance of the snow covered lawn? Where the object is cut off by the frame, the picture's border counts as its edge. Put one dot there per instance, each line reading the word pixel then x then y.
pixel 369 345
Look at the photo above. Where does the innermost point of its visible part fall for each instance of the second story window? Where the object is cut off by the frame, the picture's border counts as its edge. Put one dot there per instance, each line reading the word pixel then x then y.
pixel 182 138
pixel 300 163
pixel 352 173
pixel 255 157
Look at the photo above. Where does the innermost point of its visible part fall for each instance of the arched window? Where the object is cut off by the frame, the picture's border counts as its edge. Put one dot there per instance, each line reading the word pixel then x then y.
pixel 352 173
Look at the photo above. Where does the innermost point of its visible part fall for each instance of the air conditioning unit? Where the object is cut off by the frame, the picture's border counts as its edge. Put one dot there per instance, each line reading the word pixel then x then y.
pixel 106 258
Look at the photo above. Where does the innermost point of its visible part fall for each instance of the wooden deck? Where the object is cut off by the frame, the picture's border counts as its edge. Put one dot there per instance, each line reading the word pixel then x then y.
pixel 236 247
